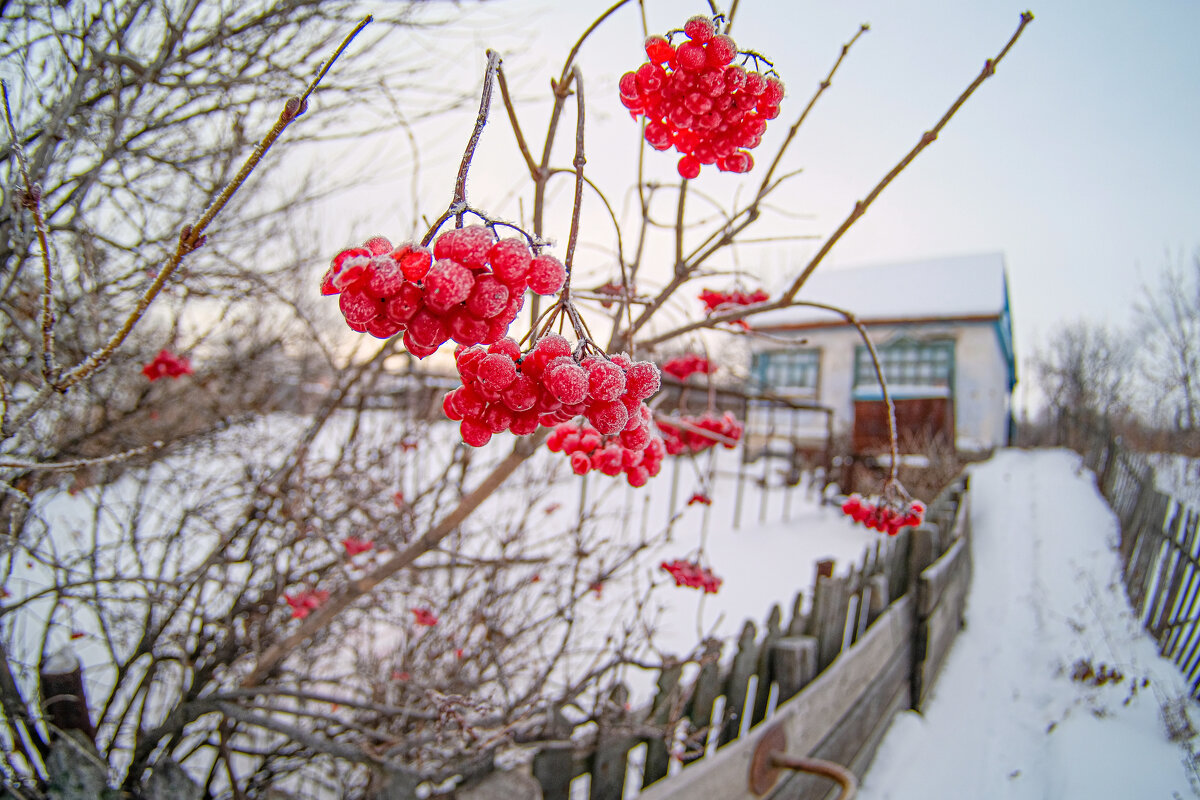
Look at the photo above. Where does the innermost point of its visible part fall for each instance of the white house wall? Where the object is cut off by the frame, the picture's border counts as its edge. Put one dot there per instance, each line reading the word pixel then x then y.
pixel 981 404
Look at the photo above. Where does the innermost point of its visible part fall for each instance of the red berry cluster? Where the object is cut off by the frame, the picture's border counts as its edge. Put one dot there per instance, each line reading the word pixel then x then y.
pixel 638 452
pixel 714 300
pixel 469 288
pixel 305 602
pixel 167 365
pixel 683 366
pixel 692 575
pixel 680 439
pixel 697 101
pixel 882 516
pixel 505 390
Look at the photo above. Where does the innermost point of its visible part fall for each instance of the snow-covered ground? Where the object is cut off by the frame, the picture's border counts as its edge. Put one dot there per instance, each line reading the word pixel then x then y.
pixel 1006 719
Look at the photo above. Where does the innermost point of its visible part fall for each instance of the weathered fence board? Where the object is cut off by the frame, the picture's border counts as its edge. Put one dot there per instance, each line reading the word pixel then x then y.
pixel 938 629
pixel 853 740
pixel 830 696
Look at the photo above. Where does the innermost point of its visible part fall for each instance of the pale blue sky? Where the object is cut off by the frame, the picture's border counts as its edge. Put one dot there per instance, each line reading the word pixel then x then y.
pixel 1078 160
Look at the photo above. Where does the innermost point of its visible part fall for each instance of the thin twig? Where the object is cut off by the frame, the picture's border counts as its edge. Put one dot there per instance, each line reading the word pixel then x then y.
pixel 860 208
pixel 31 201
pixel 78 463
pixel 522 145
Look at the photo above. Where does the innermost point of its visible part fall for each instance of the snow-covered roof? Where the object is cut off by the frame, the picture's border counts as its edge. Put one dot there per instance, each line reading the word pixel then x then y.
pixel 934 288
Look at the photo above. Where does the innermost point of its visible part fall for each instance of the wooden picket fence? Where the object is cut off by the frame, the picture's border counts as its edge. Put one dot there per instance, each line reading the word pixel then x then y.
pixel 1159 544
pixel 824 683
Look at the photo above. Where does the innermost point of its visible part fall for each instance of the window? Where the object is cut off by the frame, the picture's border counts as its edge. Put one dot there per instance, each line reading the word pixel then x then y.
pixel 794 370
pixel 907 363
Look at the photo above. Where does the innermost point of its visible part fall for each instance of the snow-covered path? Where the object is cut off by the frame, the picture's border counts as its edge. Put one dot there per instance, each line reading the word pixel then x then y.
pixel 1006 719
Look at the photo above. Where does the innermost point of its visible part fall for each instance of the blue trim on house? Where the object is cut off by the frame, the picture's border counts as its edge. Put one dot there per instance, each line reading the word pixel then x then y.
pixel 1003 328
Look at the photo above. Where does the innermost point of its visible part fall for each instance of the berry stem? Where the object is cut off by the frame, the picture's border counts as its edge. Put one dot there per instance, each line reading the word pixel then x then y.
pixel 458 204
pixel 579 161
pixel 522 145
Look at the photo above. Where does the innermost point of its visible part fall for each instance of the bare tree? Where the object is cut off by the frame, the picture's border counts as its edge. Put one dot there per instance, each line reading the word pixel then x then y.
pixel 341 601
pixel 1085 372
pixel 1168 329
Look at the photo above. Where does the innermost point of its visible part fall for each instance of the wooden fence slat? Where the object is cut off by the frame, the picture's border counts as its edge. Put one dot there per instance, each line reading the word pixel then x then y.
pixel 736 686
pixel 553 769
pixel 762 693
pixel 798 621
pixel 794 664
pixel 608 762
pixel 938 628
pixel 1169 579
pixel 661 714
pixel 707 689
pixel 879 597
pixel 828 620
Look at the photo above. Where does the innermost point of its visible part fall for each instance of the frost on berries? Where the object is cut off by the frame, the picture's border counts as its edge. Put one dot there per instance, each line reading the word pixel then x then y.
pixel 469 287
pixel 167 365
pixel 688 435
pixel 504 389
pixel 692 575
pixel 697 101
pixel 885 516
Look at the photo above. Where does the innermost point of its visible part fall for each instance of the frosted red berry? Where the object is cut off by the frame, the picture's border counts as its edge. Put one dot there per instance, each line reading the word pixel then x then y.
pixel 546 274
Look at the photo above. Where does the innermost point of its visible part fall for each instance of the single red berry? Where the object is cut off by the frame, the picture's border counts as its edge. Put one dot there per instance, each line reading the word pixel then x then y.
pixel 498 418
pixel 628 85
pixel 659 50
pixel 720 50
pixel 567 382
pixel 414 261
pixel 606 380
pixel 508 346
pixel 691 57
pixel 580 463
pixel 474 432
pixel 546 274
pixel 699 29
pixel 773 91
pixel 642 380
pixel 510 261
pixel 358 307
pixel 497 371
pixel 401 308
pixel 378 245
pixel 385 277
pixel 689 167
pixel 488 297
pixel 609 417
pixel 448 283
pixel 521 394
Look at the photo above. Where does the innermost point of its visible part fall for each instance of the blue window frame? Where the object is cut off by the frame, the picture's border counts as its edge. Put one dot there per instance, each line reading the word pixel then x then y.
pixel 908 363
pixel 792 371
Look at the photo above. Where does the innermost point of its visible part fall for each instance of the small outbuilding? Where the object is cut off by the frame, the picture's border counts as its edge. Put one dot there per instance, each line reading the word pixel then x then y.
pixel 943 331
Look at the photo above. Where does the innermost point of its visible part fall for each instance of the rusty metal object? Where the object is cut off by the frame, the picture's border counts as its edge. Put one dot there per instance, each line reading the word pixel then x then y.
pixel 770 759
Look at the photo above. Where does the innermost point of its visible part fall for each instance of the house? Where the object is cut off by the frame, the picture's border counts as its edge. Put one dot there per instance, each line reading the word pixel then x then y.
pixel 943 332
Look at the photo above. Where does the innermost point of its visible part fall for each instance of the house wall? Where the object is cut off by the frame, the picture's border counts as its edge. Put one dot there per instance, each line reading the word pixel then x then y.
pixel 981 375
